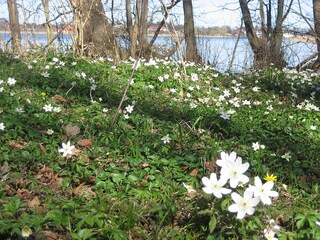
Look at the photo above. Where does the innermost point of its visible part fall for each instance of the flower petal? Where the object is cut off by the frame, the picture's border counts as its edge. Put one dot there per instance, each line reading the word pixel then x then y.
pixel 236 197
pixel 233 208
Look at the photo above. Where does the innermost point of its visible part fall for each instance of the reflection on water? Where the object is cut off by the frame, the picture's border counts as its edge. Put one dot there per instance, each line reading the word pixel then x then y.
pixel 216 51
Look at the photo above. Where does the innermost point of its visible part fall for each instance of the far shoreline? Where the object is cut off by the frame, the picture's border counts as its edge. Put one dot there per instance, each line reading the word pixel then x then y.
pixel 297 38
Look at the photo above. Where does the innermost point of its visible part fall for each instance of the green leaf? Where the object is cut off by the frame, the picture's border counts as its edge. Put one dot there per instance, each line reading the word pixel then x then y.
pixel 300 223
pixel 212 223
pixel 132 178
pixel 117 177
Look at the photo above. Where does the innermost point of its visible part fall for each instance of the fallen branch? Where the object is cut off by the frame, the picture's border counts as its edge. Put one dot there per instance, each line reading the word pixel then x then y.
pixel 301 64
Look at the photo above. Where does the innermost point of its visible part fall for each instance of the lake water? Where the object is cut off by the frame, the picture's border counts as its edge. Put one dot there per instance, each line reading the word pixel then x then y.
pixel 216 51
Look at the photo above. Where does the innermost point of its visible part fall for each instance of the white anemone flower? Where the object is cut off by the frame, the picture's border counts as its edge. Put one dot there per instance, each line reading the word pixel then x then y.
pixel 234 170
pixel 66 149
pixel 166 139
pixel 269 235
pixel 243 205
pixel 189 188
pixel 215 186
pixel 263 191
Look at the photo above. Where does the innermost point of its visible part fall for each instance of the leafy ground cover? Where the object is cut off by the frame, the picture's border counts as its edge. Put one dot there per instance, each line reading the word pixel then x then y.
pixel 68 172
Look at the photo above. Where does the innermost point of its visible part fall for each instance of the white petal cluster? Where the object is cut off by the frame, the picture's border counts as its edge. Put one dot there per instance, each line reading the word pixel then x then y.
pixel 232 170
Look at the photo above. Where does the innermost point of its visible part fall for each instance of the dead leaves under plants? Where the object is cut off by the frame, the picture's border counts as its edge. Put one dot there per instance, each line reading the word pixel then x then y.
pixel 83 190
pixel 71 130
pixel 58 98
pixel 49 178
pixel 85 143
pixel 17 145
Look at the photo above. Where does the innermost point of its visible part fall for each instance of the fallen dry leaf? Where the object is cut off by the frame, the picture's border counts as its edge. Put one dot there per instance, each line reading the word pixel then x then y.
pixel 83 190
pixel 35 202
pixel 86 143
pixel 210 166
pixel 71 130
pixel 4 170
pixel 49 235
pixel 194 172
pixel 58 98
pixel 14 144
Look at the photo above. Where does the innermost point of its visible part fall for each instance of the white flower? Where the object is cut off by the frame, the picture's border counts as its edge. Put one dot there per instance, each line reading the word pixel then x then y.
pixel 256 146
pixel 318 223
pixel 1 89
pixel 274 225
pixel 224 115
pixel 2 127
pixel 263 191
pixel 129 109
pixel 194 77
pixel 26 232
pixel 126 116
pixel 166 139
pixel 105 110
pixel 160 79
pixel 19 110
pixel 45 74
pixel 176 75
pixel 215 186
pixel 226 157
pixel 11 81
pixel 57 109
pixel 269 235
pixel 234 170
pixel 48 108
pixel 66 149
pixel 256 89
pixel 50 132
pixel 73 63
pixel 189 188
pixel 286 156
pixel 173 90
pixel 312 127
pixel 243 205
pixel 55 59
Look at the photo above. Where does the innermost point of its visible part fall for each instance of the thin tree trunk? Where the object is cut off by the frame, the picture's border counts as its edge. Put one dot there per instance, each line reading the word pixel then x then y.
pixel 189 33
pixel 144 29
pixel 14 25
pixel 316 15
pixel 45 4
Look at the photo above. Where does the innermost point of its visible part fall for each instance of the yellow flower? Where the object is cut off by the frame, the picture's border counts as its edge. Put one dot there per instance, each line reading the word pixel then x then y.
pixel 26 232
pixel 43 94
pixel 269 178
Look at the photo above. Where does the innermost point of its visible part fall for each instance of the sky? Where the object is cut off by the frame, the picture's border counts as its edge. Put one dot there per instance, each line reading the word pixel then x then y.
pixel 207 13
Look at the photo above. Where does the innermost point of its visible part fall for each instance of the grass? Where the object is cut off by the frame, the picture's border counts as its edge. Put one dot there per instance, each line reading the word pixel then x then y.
pixel 125 182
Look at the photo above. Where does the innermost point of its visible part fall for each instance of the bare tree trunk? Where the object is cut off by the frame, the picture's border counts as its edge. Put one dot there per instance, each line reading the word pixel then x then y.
pixel 189 33
pixel 45 4
pixel 316 15
pixel 267 48
pixel 144 30
pixel 95 36
pixel 14 25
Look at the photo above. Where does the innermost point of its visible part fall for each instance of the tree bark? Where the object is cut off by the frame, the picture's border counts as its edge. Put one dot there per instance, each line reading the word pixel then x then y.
pixel 189 33
pixel 45 4
pixel 316 15
pixel 143 31
pixel 14 25
pixel 95 36
pixel 267 48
